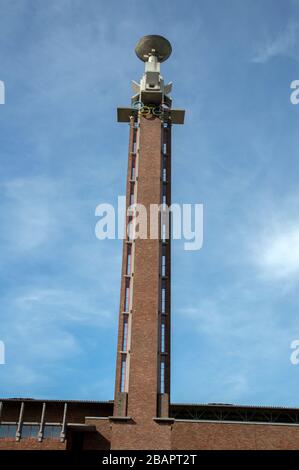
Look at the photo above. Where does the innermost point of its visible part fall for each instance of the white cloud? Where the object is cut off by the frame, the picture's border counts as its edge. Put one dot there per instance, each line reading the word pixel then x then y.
pixel 285 44
pixel 228 319
pixel 237 384
pixel 277 255
pixel 58 306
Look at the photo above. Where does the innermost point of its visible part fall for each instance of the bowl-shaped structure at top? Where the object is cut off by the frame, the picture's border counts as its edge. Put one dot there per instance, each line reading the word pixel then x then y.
pixel 153 45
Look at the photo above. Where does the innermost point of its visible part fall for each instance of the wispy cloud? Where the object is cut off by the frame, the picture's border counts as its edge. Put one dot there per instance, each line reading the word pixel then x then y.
pixel 285 44
pixel 244 320
pixel 58 306
pixel 43 315
pixel 270 245
pixel 244 340
pixel 42 327
pixel 277 254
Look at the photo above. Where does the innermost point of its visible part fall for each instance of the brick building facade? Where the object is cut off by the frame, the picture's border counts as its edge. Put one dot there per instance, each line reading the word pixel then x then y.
pixel 57 425
pixel 141 415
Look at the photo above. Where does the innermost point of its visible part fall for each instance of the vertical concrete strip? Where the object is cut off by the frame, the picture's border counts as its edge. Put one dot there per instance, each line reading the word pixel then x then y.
pixel 20 421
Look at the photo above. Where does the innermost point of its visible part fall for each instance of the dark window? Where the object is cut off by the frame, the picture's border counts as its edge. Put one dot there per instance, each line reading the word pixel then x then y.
pixel 164 168
pixel 127 295
pixel 132 198
pixel 133 168
pixel 163 297
pixel 163 261
pixel 8 430
pixel 164 175
pixel 162 377
pixel 129 259
pixel 130 228
pixel 163 232
pixel 163 327
pixel 163 265
pixel 125 334
pixel 164 194
pixel 29 431
pixel 123 374
pixel 52 431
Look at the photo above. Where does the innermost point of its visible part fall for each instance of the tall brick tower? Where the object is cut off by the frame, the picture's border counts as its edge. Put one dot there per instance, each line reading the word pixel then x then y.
pixel 142 385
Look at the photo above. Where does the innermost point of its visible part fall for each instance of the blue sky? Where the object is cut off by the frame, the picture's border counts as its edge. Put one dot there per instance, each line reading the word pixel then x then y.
pixel 67 65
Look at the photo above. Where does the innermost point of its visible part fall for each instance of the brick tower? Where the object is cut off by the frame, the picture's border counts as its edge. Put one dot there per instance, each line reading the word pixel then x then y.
pixel 142 385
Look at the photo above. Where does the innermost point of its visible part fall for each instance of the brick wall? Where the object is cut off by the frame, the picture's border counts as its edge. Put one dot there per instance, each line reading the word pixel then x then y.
pixel 99 440
pixel 212 436
pixel 32 444
pixel 143 378
pixel 180 435
pixel 144 435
